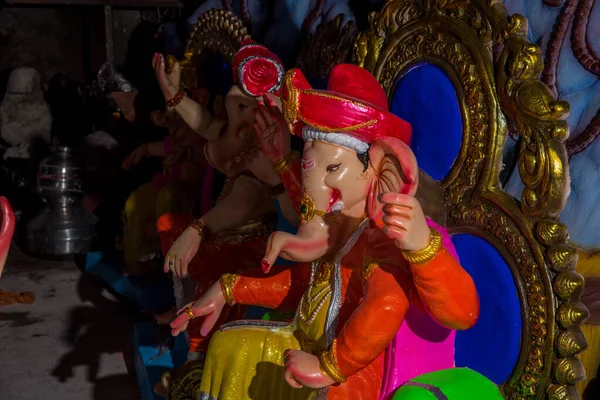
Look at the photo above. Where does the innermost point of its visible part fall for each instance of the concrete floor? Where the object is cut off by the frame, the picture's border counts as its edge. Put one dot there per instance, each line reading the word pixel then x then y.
pixel 72 343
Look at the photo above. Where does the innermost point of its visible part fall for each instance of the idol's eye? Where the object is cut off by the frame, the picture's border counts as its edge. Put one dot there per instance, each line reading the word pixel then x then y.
pixel 333 167
pixel 242 107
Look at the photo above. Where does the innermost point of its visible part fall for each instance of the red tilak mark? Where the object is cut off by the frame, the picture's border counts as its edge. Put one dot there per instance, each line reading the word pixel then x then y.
pixel 335 197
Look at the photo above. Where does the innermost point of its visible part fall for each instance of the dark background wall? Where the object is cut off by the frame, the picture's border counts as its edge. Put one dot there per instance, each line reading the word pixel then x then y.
pixel 70 40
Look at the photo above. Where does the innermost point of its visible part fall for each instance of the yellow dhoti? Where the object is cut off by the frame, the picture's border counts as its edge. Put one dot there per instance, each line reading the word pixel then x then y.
pixel 246 363
pixel 142 209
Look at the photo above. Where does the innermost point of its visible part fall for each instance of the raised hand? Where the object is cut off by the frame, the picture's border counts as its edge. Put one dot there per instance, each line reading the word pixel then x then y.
pixel 405 221
pixel 209 306
pixel 167 80
pixel 304 369
pixel 270 129
pixel 181 252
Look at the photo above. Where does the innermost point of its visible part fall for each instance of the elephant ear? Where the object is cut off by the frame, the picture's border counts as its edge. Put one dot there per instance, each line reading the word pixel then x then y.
pixel 395 170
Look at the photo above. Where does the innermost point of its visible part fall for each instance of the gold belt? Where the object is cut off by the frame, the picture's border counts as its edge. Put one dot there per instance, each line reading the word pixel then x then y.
pixel 262 226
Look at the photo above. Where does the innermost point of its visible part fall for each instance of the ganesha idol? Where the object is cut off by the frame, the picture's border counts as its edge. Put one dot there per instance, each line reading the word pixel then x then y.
pixel 233 234
pixel 365 253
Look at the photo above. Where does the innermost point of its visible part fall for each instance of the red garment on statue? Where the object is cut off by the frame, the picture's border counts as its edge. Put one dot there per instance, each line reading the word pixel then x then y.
pixel 212 260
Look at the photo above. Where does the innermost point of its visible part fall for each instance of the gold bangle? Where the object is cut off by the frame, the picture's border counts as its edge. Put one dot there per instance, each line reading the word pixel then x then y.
pixel 176 100
pixel 286 162
pixel 228 281
pixel 419 257
pixel 329 365
pixel 200 228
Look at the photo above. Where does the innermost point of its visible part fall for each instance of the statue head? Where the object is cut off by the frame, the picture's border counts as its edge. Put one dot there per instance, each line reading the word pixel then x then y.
pixel 355 149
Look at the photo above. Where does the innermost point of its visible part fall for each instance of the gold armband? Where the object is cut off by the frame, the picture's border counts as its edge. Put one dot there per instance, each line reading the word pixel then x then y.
pixel 200 228
pixel 329 365
pixel 227 283
pixel 286 162
pixel 427 254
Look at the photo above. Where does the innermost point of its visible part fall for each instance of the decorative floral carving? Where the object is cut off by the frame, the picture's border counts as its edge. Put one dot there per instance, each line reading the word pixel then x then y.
pixel 331 44
pixel 217 30
pixel 540 120
pixel 458 36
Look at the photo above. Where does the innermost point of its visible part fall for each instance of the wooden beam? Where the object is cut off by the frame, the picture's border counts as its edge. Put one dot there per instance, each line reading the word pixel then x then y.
pixel 113 3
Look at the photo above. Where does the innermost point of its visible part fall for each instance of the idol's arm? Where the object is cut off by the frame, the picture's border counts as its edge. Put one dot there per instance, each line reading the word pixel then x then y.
pixel 371 327
pixel 290 173
pixel 447 291
pixel 280 289
pixel 199 119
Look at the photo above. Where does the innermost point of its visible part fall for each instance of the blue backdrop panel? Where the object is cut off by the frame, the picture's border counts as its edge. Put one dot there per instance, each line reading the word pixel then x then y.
pixel 425 97
pixel 492 346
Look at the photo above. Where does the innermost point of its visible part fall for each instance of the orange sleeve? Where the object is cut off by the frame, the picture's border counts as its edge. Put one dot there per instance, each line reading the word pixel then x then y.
pixel 374 323
pixel 447 291
pixel 281 289
pixel 292 181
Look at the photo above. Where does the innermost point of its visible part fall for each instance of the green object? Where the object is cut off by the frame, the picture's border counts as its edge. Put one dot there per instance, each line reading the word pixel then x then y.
pixel 277 316
pixel 303 209
pixel 449 384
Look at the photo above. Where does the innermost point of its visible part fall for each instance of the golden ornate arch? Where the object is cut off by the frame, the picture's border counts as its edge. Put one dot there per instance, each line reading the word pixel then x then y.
pixel 331 44
pixel 217 30
pixel 495 72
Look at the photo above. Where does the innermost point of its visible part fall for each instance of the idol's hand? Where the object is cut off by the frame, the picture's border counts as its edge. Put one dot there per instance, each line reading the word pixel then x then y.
pixel 168 81
pixel 304 369
pixel 209 306
pixel 135 157
pixel 181 252
pixel 405 221
pixel 271 131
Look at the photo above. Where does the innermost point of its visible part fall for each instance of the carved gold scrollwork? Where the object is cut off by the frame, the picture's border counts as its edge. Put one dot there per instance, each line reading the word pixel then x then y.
pixel 217 30
pixel 331 44
pixel 460 37
pixel 540 120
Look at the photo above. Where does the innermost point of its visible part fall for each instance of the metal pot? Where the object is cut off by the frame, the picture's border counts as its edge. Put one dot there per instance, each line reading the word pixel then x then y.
pixel 64 228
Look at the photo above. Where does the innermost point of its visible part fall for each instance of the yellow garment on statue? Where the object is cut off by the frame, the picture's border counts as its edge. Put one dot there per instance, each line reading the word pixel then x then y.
pixel 143 208
pixel 245 362
pixel 245 359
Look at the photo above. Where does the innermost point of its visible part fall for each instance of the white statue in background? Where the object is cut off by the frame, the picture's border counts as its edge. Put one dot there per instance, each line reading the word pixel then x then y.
pixel 24 114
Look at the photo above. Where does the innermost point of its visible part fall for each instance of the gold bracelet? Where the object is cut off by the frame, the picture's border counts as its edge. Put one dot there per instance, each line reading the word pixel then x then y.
pixel 200 228
pixel 286 162
pixel 227 283
pixel 419 257
pixel 176 100
pixel 329 365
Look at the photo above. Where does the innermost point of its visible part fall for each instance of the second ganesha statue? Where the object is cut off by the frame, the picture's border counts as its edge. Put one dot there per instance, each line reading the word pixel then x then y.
pixel 364 254
pixel 232 235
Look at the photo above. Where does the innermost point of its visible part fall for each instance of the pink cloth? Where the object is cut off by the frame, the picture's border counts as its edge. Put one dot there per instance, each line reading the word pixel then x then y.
pixel 421 345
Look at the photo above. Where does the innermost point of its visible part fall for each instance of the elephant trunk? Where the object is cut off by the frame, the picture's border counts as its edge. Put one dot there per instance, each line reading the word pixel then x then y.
pixel 309 244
